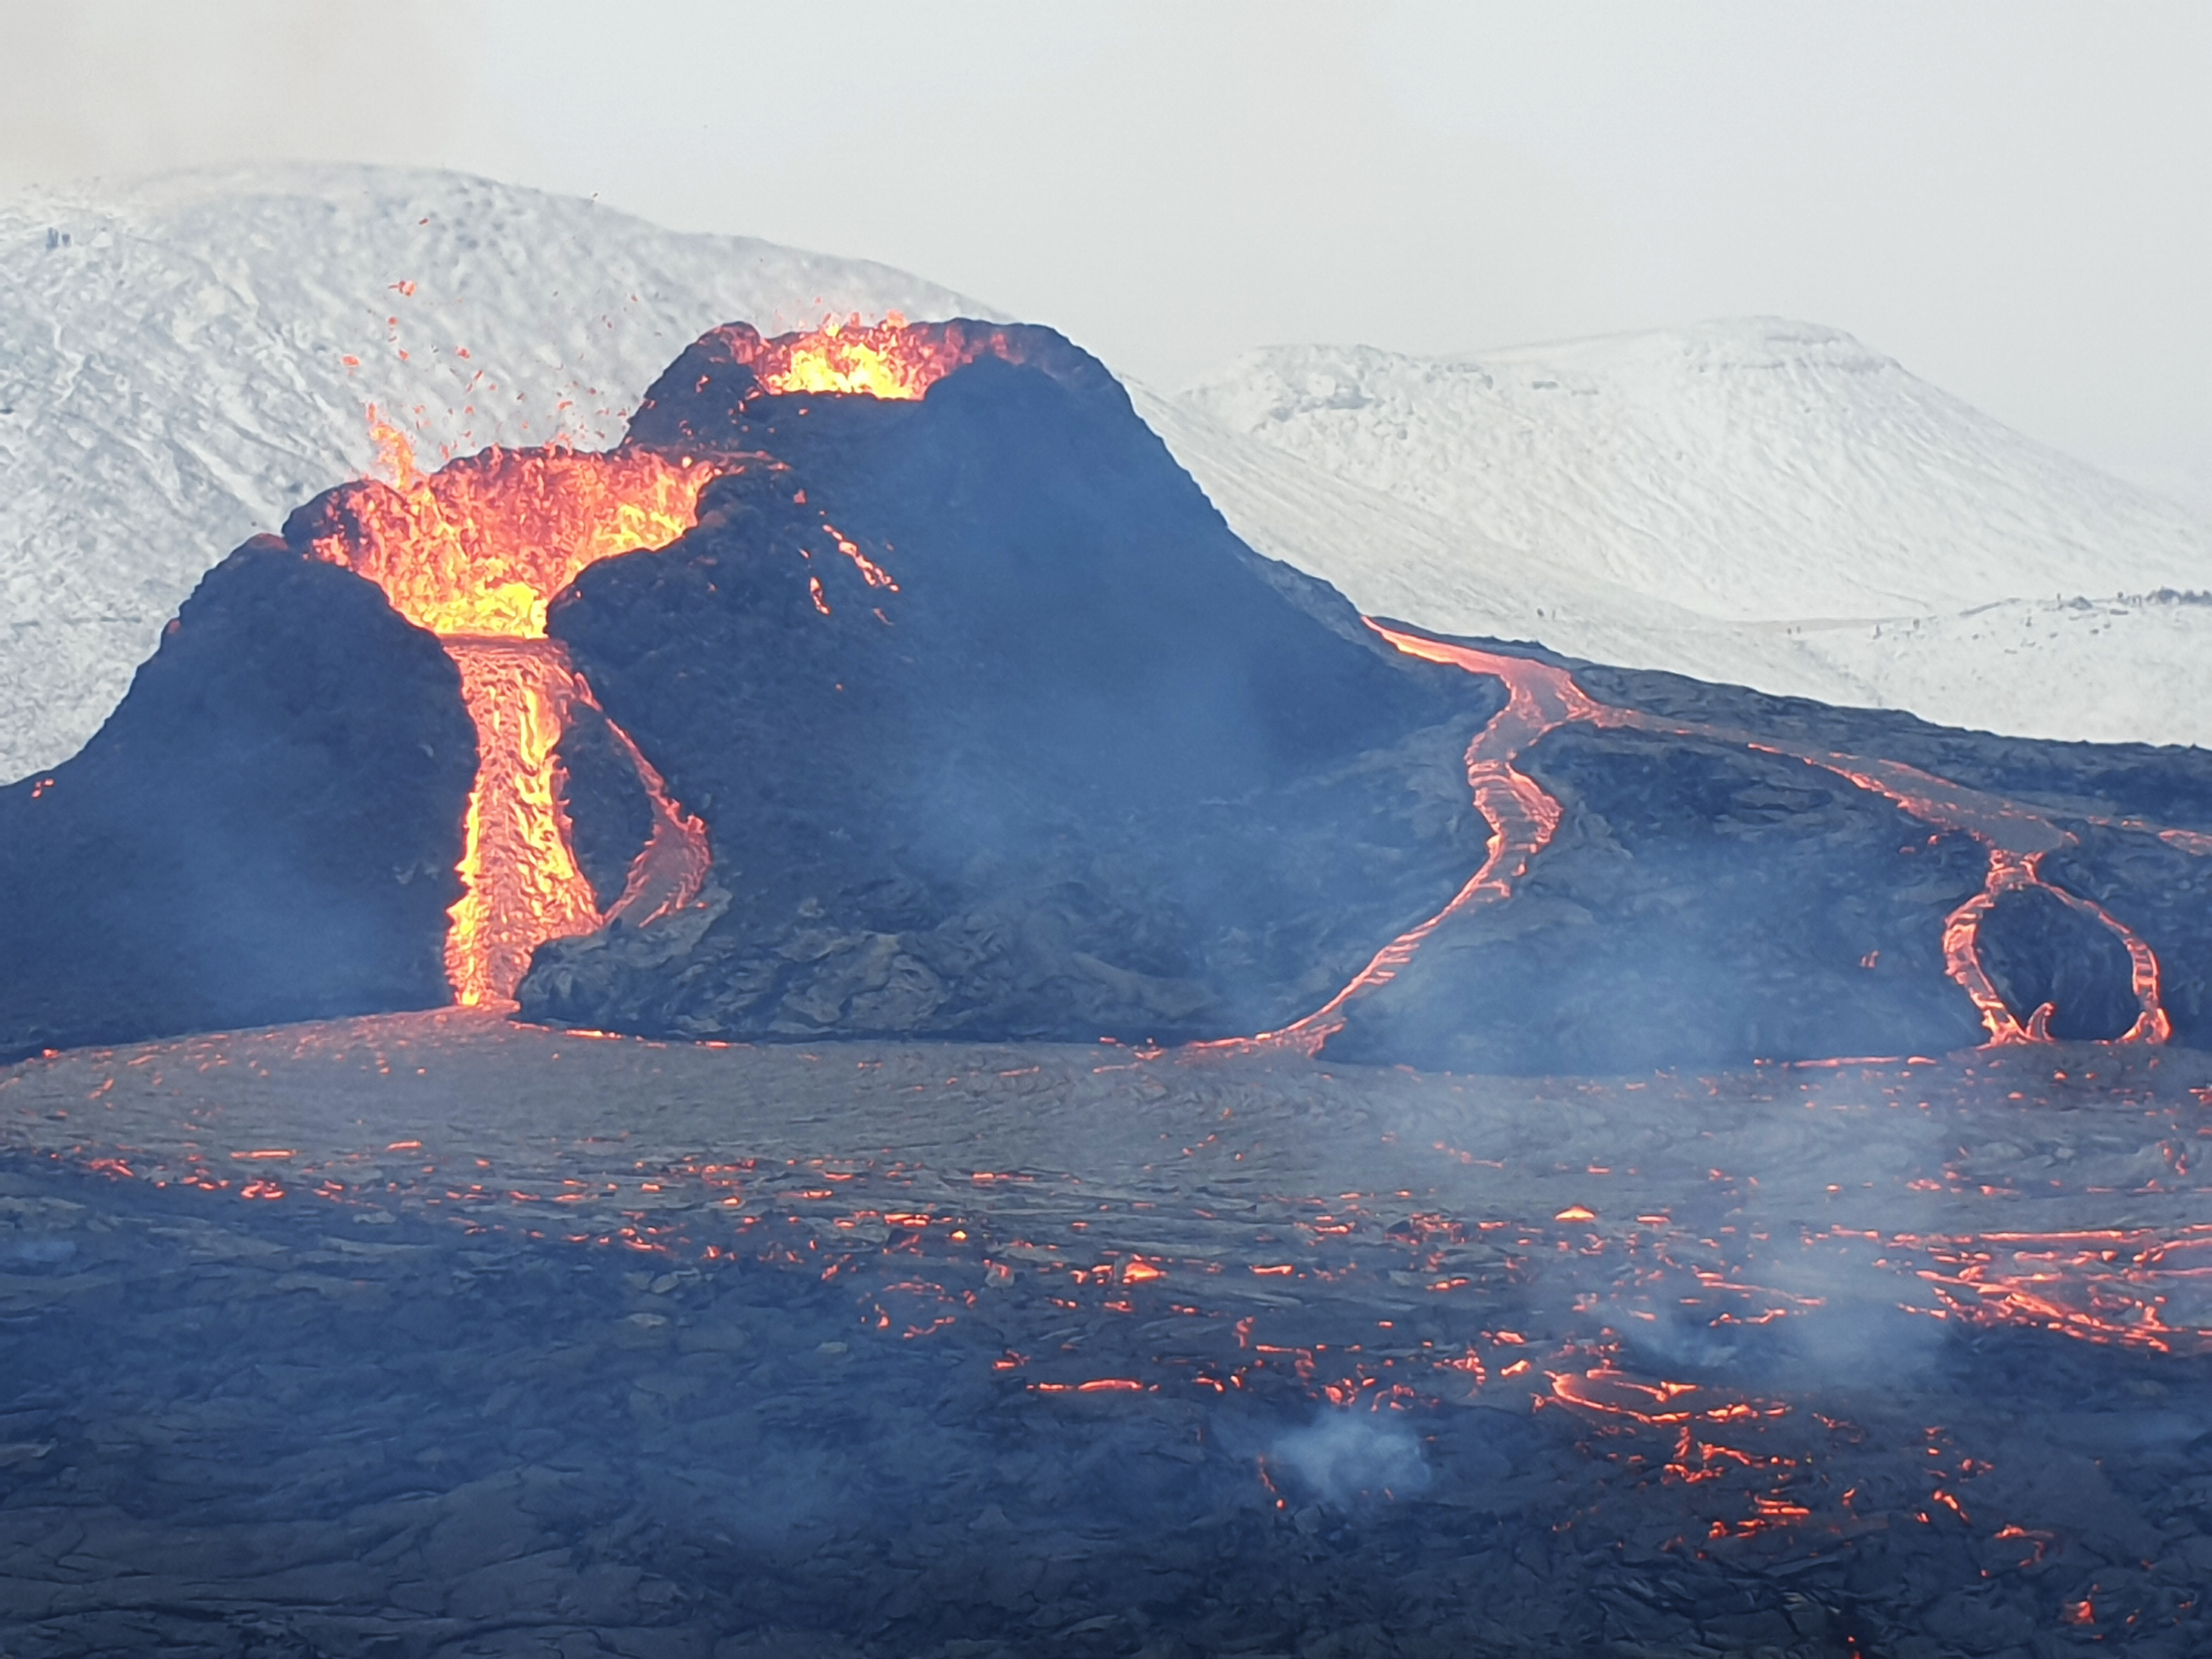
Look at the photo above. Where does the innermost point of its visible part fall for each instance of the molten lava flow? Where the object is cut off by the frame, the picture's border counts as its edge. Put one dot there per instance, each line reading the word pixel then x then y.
pixel 475 552
pixel 481 545
pixel 2115 1286
pixel 2014 871
pixel 522 885
pixel 892 359
pixel 1523 818
pixel 1522 815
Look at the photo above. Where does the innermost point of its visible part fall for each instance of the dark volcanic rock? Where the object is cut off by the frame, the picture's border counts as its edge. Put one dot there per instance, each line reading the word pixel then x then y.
pixel 610 816
pixel 2163 893
pixel 1698 901
pixel 2038 950
pixel 1029 745
pixel 265 829
pixel 1089 767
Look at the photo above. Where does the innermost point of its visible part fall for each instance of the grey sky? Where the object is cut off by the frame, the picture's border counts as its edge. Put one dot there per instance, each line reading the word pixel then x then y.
pixel 2015 199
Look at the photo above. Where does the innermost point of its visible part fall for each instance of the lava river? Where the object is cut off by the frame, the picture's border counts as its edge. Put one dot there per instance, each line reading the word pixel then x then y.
pixel 476 551
pixel 1543 698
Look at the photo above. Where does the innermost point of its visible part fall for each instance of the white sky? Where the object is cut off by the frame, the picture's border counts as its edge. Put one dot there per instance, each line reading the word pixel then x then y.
pixel 2013 198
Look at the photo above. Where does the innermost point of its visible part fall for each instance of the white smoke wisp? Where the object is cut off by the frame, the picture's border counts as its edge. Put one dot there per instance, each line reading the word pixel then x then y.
pixel 1344 1455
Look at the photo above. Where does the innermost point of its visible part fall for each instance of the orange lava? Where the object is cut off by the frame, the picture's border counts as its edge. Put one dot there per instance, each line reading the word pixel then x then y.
pixel 521 883
pixel 892 359
pixel 2011 871
pixel 1524 817
pixel 2129 1287
pixel 475 552
pixel 483 544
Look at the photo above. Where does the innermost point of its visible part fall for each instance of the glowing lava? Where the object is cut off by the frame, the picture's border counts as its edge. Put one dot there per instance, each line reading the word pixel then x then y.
pixel 475 552
pixel 892 359
pixel 1522 816
pixel 521 883
pixel 481 545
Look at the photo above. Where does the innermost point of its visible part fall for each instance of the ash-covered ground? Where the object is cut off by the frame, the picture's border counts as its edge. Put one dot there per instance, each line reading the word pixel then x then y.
pixel 435 1334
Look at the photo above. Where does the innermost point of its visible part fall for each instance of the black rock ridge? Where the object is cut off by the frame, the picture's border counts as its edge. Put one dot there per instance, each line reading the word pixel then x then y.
pixel 265 829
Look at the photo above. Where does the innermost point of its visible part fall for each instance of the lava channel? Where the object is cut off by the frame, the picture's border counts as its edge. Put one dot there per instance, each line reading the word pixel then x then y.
pixel 1523 817
pixel 475 552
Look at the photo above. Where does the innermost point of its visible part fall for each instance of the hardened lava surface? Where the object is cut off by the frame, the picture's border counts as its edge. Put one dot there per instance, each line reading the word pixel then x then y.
pixel 436 1334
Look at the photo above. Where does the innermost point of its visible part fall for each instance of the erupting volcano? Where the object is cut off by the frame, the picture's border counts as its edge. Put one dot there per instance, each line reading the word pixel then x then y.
pixel 475 552
pixel 1004 740
pixel 1000 733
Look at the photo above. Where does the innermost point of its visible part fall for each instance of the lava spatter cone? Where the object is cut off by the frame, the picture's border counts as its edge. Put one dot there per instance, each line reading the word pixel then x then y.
pixel 998 729
pixel 987 725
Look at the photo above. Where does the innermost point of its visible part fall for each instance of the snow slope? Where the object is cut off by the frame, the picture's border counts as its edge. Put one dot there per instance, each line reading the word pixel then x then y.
pixel 183 362
pixel 1756 501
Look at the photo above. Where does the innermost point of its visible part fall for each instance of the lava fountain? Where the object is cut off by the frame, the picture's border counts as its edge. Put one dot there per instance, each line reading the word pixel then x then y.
pixel 475 552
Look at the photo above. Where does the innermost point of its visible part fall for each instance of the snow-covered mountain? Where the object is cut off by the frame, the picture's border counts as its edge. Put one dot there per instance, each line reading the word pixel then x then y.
pixel 1758 501
pixel 181 362
pixel 184 361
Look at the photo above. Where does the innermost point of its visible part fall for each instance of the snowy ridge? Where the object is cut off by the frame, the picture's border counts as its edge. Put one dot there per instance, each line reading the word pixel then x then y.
pixel 1766 502
pixel 183 362
pixel 1754 470
pixel 1760 501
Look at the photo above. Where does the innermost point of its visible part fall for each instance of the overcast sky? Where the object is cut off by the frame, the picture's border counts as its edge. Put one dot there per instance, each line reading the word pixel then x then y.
pixel 2015 197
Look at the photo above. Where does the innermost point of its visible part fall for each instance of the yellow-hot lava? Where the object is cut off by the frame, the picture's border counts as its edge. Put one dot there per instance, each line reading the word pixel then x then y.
pixel 521 886
pixel 1523 817
pixel 481 545
pixel 475 552
pixel 892 359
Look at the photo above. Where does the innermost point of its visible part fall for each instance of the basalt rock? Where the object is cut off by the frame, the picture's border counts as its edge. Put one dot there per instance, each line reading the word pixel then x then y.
pixel 1697 900
pixel 1048 753
pixel 265 829
pixel 1000 732
pixel 1707 901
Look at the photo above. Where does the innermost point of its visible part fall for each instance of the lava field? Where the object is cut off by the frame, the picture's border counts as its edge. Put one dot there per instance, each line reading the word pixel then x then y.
pixel 435 1334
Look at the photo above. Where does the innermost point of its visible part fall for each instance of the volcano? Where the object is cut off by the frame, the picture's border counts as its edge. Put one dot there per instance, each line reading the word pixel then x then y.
pixel 894 681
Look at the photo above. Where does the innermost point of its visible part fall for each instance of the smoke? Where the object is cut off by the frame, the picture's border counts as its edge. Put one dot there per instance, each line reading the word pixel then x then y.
pixel 1848 1327
pixel 1345 1456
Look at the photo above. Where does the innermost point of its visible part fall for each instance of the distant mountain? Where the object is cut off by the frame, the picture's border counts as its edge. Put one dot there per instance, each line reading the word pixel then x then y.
pixel 1758 501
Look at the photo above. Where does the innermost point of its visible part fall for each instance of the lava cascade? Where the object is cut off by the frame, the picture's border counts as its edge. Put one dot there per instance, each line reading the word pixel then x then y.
pixel 894 359
pixel 475 552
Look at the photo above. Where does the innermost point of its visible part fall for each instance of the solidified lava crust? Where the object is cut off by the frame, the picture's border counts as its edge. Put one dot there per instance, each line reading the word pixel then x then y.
pixel 432 1332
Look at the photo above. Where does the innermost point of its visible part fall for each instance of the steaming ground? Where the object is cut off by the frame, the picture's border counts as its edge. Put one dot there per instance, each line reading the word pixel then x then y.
pixel 1758 502
pixel 435 1334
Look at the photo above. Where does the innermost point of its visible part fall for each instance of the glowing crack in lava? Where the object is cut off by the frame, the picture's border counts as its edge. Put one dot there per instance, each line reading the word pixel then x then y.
pixel 475 552
pixel 1523 817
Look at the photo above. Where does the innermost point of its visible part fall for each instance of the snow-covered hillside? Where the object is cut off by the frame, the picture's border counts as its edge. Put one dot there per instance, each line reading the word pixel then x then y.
pixel 182 362
pixel 1758 501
